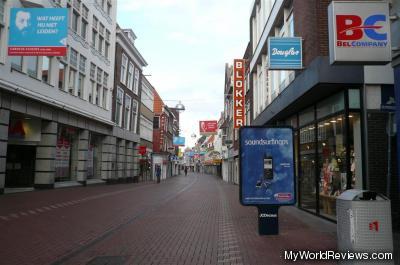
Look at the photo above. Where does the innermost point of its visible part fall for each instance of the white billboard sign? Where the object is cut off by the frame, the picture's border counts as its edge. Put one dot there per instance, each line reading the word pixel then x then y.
pixel 359 32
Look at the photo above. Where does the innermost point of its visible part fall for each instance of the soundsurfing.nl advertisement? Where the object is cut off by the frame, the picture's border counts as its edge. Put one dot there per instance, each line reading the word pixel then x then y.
pixel 267 166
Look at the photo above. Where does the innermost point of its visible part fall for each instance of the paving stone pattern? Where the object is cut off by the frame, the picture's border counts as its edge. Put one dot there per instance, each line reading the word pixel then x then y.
pixel 185 220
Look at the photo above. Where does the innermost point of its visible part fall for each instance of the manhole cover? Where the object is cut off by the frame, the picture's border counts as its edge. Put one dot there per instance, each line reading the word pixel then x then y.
pixel 107 260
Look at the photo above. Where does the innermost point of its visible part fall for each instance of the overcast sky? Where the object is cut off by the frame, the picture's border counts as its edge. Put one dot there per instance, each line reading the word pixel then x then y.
pixel 186 44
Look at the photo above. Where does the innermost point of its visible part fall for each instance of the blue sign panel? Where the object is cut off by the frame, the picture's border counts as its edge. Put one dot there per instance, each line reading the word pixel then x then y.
pixel 179 141
pixel 266 166
pixel 285 53
pixel 38 31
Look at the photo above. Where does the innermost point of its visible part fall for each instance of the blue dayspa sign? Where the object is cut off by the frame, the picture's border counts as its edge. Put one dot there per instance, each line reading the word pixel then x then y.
pixel 285 53
pixel 38 32
pixel 266 166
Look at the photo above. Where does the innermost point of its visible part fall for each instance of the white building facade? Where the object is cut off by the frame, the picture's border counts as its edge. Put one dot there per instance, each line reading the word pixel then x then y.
pixel 56 111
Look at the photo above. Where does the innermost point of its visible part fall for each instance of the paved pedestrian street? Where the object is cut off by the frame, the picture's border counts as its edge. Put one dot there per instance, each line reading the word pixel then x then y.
pixel 184 220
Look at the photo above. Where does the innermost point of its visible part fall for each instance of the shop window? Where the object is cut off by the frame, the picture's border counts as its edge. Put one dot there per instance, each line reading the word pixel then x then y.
pixel 331 105
pixel 332 163
pixel 292 121
pixel 46 66
pixel 66 154
pixel 354 98
pixel 308 165
pixel 355 151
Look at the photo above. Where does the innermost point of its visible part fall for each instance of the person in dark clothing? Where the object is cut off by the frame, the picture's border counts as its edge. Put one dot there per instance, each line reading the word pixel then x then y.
pixel 186 169
pixel 158 173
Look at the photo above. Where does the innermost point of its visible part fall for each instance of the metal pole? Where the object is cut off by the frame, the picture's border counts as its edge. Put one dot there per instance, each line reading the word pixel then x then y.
pixel 389 134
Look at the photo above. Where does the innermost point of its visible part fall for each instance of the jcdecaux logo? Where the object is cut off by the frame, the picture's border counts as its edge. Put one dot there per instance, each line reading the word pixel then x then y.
pixel 353 31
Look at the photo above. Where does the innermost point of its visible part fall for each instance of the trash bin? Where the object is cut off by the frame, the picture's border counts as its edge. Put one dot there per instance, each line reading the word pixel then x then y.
pixel 364 224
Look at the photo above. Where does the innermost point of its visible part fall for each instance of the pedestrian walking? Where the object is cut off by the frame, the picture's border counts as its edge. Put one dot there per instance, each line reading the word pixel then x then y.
pixel 158 173
pixel 186 169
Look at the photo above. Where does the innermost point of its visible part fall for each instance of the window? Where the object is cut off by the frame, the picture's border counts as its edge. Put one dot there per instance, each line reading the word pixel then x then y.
pixel 61 76
pixel 124 65
pixel 71 81
pixel 127 111
pixel 85 11
pixel 46 66
pixel 107 50
pixel 92 70
pixel 73 59
pixel 32 66
pixel 291 25
pixel 109 8
pixel 105 95
pixel 101 29
pixel 75 21
pixel 82 63
pixel 84 25
pixel 91 91
pixel 94 37
pixel 99 75
pixel 16 62
pixel 105 79
pixel 81 81
pixel 156 123
pixel 146 129
pixel 101 41
pixel 2 3
pixel 136 81
pixel 95 22
pixel 98 91
pixel 118 106
pixel 130 76
pixel 134 115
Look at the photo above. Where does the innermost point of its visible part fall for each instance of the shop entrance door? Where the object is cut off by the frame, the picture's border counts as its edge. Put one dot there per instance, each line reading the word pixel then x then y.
pixel 20 167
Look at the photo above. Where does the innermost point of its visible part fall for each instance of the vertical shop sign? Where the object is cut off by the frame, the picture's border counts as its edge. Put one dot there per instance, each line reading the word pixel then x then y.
pixel 238 93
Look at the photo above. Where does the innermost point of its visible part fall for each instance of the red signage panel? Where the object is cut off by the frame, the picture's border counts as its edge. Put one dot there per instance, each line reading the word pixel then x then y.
pixel 208 127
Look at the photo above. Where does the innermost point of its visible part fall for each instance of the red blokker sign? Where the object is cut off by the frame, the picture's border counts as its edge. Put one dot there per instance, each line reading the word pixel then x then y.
pixel 238 93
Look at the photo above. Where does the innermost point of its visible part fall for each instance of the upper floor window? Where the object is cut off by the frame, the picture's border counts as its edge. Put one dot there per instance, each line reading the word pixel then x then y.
pixel 137 73
pixel 61 76
pixel 130 76
pixel 73 59
pixel 124 66
pixel 16 62
pixel 127 112
pixel 119 100
pixel 46 69
pixel 2 3
pixel 32 66
pixel 92 70
pixel 134 115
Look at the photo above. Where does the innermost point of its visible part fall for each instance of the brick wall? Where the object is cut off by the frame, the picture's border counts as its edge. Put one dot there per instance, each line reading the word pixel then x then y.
pixel 378 157
pixel 311 23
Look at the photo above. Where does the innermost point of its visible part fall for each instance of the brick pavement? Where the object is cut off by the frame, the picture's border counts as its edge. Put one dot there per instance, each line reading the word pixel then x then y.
pixel 185 220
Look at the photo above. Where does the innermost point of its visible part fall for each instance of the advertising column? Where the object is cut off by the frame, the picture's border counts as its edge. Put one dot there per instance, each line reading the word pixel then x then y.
pixel 267 177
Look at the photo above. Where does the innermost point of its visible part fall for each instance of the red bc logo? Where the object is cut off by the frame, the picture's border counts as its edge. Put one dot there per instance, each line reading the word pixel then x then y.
pixel 351 27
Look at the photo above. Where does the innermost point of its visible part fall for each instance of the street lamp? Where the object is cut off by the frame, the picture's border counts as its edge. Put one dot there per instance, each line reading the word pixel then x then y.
pixel 180 106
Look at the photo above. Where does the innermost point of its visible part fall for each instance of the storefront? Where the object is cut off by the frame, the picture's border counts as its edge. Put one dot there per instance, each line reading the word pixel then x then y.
pixel 66 161
pixel 24 133
pixel 328 148
pixel 94 156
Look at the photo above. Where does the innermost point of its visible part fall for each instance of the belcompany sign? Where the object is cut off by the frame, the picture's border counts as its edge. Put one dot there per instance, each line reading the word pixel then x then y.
pixel 359 32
